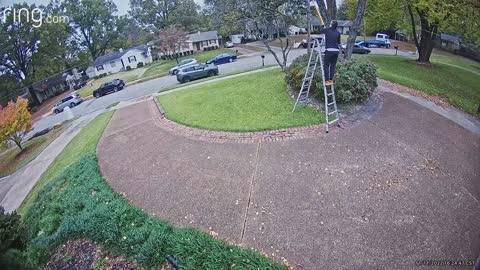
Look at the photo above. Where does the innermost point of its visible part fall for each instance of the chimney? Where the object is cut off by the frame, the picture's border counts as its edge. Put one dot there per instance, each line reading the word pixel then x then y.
pixel 120 50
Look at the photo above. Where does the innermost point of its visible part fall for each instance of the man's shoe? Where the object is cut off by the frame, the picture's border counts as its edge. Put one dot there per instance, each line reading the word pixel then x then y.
pixel 328 82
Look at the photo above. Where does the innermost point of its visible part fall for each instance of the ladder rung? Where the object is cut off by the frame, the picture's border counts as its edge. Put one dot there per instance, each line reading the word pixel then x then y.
pixel 330 113
pixel 330 94
pixel 333 121
pixel 331 103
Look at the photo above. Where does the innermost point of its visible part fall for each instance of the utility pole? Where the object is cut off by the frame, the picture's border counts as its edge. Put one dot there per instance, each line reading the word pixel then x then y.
pixel 309 15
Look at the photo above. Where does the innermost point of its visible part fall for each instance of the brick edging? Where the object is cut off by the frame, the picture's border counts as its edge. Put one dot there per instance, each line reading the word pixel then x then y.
pixel 279 135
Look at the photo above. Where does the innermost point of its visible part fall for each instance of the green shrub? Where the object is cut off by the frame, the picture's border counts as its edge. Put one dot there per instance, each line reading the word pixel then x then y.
pixel 140 64
pixel 9 230
pixel 129 68
pixel 354 80
pixel 80 204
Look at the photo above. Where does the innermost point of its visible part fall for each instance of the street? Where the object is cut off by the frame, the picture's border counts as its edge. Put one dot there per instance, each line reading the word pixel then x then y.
pixel 247 62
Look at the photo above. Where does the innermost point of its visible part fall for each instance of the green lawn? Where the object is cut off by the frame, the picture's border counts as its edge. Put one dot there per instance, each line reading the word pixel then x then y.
pixel 456 61
pixel 458 86
pixel 251 102
pixel 162 66
pixel 13 159
pixel 73 201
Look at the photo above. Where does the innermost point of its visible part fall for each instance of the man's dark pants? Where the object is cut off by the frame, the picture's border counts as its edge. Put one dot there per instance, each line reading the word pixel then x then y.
pixel 329 63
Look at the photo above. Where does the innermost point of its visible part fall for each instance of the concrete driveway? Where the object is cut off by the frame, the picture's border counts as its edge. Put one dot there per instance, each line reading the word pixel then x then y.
pixel 382 194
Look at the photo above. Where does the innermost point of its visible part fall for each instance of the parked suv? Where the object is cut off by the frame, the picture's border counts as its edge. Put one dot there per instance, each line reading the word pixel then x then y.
pixel 183 64
pixel 108 87
pixel 70 101
pixel 196 72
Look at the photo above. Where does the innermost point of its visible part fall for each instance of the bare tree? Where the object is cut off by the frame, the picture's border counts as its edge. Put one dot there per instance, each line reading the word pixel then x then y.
pixel 171 41
pixel 270 20
pixel 362 4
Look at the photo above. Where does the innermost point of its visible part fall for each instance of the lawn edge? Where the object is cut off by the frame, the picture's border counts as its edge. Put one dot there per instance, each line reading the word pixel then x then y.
pixel 219 136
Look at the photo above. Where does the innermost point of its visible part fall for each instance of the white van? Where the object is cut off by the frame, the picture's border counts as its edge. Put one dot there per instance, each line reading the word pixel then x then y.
pixel 383 37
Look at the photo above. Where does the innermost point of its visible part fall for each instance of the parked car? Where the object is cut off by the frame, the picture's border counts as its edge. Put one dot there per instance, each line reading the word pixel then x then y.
pixel 373 42
pixel 228 44
pixel 109 87
pixel 182 64
pixel 222 59
pixel 70 101
pixel 79 84
pixel 196 72
pixel 356 49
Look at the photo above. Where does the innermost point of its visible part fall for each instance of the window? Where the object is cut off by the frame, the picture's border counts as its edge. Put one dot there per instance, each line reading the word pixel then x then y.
pixel 112 64
pixel 132 59
pixel 67 99
pixel 100 68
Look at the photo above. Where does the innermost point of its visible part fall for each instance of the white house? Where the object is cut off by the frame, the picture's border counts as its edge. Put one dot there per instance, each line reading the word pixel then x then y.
pixel 200 40
pixel 295 30
pixel 120 61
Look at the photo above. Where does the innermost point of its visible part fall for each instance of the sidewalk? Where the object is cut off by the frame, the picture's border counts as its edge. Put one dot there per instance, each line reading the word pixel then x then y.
pixel 15 187
pixel 399 187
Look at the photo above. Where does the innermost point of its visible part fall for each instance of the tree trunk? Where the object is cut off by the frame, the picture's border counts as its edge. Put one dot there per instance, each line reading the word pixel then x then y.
pixel 362 4
pixel 323 11
pixel 18 143
pixel 332 10
pixel 427 37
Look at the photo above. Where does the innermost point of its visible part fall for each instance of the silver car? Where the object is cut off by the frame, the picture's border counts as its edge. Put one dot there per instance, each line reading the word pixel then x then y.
pixel 182 64
pixel 70 101
pixel 196 72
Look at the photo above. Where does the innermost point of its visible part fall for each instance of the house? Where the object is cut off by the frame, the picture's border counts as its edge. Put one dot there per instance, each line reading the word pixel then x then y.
pixel 295 30
pixel 52 86
pixel 201 41
pixel 120 61
pixel 343 26
pixel 448 42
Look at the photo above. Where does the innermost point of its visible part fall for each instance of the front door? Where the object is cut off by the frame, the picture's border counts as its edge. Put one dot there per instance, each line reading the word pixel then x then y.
pixel 198 46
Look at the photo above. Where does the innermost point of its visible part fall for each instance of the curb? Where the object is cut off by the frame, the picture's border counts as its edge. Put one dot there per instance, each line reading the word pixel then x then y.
pixel 279 135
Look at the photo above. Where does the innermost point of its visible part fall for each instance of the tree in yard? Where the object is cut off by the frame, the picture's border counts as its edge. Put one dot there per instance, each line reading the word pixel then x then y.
pixel 361 6
pixel 94 24
pixel 15 122
pixel 225 16
pixel 434 16
pixel 19 42
pixel 270 20
pixel 171 40
pixel 158 14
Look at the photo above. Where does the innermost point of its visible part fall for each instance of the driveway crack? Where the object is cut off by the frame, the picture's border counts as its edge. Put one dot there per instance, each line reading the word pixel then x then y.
pixel 250 190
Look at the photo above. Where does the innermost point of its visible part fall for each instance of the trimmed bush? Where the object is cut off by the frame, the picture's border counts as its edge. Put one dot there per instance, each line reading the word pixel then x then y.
pixel 129 68
pixel 140 64
pixel 354 80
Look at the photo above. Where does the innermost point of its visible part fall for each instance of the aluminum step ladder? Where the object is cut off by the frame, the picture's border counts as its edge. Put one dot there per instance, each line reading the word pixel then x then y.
pixel 331 111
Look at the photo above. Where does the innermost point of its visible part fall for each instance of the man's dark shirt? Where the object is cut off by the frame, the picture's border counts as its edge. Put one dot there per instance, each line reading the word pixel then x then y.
pixel 332 38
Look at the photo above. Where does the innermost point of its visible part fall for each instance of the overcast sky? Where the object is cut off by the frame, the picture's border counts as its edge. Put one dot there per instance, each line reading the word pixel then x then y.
pixel 122 5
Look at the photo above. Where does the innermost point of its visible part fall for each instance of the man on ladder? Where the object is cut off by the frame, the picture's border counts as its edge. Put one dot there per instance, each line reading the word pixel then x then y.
pixel 332 49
